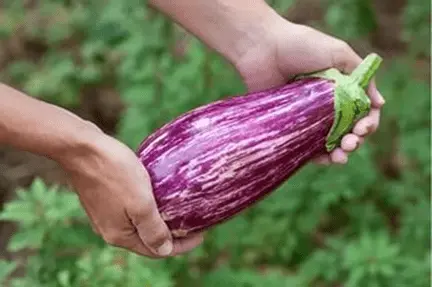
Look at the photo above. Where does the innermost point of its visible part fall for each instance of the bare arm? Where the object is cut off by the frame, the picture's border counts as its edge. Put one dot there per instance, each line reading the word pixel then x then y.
pixel 229 27
pixel 41 128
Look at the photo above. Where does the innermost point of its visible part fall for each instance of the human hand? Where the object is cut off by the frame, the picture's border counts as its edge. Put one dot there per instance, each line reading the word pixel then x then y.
pixel 115 190
pixel 289 50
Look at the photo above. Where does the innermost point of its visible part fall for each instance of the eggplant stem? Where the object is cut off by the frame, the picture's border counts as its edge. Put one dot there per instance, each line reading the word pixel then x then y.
pixel 365 71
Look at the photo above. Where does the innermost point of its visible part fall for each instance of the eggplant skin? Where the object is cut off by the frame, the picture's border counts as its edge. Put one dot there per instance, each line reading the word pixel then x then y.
pixel 211 163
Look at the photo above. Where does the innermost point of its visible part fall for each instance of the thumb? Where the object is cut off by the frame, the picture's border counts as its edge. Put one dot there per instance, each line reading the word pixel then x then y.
pixel 151 229
pixel 144 215
pixel 346 60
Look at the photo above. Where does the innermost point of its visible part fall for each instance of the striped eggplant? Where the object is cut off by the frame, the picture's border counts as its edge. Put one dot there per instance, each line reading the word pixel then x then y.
pixel 211 163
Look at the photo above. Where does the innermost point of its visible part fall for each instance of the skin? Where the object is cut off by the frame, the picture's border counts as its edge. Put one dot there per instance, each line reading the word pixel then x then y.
pixel 112 185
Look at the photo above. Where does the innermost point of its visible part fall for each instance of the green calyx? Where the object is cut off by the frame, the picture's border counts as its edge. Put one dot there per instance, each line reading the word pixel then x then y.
pixel 351 101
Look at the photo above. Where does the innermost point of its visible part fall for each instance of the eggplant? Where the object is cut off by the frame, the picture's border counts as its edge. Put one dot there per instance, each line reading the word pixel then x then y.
pixel 217 160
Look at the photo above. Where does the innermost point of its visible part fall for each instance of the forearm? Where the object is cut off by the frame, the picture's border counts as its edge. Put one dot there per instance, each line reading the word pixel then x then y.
pixel 41 128
pixel 227 26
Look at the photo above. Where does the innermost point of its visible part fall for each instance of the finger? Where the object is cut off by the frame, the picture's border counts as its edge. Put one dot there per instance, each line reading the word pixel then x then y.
pixel 377 99
pixel 350 142
pixel 133 243
pixel 181 246
pixel 368 124
pixel 152 230
pixel 344 58
pixel 144 215
pixel 338 156
pixel 184 245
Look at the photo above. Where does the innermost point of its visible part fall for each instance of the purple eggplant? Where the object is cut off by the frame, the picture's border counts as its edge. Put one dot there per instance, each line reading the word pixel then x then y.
pixel 213 162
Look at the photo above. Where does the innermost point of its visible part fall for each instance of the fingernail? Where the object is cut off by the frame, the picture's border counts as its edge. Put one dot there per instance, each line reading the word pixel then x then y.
pixel 165 249
pixel 381 100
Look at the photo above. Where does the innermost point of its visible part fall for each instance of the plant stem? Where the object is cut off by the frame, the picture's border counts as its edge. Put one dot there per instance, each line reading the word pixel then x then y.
pixel 365 71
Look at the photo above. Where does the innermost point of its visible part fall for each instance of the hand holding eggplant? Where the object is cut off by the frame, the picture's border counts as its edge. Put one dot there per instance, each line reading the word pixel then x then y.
pixel 115 191
pixel 291 50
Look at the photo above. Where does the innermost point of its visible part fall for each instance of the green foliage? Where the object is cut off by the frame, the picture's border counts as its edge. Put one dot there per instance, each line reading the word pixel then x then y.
pixel 226 277
pixel 417 32
pixel 350 19
pixel 281 6
pixel 365 224
pixel 64 249
pixel 6 268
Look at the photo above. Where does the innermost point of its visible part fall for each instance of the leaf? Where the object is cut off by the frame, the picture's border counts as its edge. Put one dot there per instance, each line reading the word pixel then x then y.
pixel 281 6
pixel 365 216
pixel 28 238
pixel 6 268
pixel 322 264
pixel 141 94
pixel 416 227
pixel 416 144
pixel 225 276
pixel 19 70
pixel 38 189
pixel 133 128
pixel 91 73
pixel 355 278
pixel 350 19
pixel 417 30
pixel 23 212
pixel 64 278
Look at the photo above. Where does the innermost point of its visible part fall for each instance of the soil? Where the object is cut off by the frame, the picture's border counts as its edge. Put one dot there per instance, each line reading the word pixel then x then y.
pixel 102 105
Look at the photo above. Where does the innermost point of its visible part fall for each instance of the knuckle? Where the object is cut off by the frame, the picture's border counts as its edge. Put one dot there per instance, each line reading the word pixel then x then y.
pixel 342 48
pixel 340 54
pixel 144 211
pixel 147 208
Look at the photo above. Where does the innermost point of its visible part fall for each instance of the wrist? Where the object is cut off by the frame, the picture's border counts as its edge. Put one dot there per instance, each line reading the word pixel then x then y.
pixel 261 38
pixel 256 27
pixel 41 128
pixel 94 152
pixel 77 144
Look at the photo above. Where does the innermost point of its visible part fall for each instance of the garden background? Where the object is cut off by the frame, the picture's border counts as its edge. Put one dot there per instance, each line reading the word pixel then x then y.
pixel 129 70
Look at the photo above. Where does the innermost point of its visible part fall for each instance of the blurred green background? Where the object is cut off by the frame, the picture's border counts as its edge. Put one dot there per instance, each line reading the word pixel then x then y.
pixel 129 70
